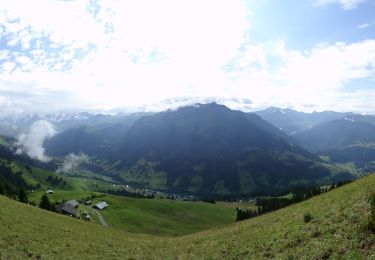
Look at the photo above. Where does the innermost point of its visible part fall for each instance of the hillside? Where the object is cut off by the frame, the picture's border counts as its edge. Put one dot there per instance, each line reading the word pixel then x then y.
pixel 334 232
pixel 351 139
pixel 336 134
pixel 10 178
pixel 93 136
pixel 174 218
pixel 137 215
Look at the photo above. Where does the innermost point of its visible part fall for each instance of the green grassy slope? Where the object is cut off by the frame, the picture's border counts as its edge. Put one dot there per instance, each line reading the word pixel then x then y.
pixel 333 232
pixel 151 216
pixel 156 216
pixel 164 217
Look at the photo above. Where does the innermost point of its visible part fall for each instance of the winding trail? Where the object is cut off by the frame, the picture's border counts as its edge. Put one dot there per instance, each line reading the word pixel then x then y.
pixel 101 218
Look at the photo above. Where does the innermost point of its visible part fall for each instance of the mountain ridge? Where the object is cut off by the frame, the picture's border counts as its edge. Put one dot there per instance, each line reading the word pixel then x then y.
pixel 211 146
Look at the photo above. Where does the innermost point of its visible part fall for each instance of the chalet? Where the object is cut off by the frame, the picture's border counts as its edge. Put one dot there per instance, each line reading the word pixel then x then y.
pixel 88 202
pixel 50 192
pixel 74 203
pixel 68 208
pixel 101 205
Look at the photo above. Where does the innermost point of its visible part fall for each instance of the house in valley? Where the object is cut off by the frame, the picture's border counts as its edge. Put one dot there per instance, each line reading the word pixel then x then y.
pixel 68 208
pixel 101 205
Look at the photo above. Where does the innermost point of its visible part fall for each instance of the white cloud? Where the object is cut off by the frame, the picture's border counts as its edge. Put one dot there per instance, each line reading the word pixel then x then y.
pixel 366 25
pixel 345 4
pixel 72 162
pixel 138 53
pixel 31 142
pixel 315 78
pixel 363 26
pixel 62 21
pixel 154 50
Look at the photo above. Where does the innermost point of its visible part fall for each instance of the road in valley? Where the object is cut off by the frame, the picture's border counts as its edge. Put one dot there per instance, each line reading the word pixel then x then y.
pixel 101 218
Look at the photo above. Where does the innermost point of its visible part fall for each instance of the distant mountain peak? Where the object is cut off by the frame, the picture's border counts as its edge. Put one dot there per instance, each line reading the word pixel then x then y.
pixel 273 110
pixel 292 121
pixel 211 105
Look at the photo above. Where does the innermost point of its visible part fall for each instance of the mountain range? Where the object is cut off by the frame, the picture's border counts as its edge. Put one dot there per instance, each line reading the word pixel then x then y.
pixel 291 121
pixel 206 149
pixel 211 150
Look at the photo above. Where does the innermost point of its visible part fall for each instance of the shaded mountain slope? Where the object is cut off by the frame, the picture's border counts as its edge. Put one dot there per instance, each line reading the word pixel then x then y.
pixel 336 134
pixel 210 149
pixel 351 139
pixel 93 136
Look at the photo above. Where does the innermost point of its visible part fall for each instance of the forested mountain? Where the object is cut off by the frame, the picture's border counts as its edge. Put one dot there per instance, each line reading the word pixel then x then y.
pixel 210 149
pixel 351 139
pixel 336 134
pixel 94 136
pixel 10 182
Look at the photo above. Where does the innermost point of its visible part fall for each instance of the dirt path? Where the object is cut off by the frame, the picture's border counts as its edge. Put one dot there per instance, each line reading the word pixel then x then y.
pixel 101 218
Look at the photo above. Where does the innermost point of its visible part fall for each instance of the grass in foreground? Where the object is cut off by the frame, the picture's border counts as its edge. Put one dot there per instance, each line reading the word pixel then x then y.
pixel 334 231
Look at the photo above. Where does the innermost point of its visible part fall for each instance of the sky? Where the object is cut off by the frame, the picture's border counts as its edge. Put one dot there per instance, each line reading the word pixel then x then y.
pixel 108 55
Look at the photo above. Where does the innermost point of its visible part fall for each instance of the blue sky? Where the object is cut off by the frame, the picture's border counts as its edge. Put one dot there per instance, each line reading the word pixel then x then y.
pixel 109 55
pixel 302 25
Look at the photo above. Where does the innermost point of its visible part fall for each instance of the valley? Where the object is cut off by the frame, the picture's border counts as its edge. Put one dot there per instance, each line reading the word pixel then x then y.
pixel 178 187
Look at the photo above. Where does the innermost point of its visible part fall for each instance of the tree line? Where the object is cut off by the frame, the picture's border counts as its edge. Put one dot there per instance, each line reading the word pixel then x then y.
pixel 268 204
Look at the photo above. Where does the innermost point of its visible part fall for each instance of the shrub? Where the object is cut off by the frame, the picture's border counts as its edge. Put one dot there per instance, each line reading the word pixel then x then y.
pixel 307 217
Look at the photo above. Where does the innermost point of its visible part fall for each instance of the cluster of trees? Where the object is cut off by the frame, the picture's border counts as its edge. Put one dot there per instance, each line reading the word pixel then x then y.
pixel 55 180
pixel 10 182
pixel 245 214
pixel 22 196
pixel 268 204
pixel 209 200
pixel 46 204
pixel 271 204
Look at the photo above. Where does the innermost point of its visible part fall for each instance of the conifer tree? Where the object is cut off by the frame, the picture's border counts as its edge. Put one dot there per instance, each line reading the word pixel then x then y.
pixel 22 196
pixel 45 203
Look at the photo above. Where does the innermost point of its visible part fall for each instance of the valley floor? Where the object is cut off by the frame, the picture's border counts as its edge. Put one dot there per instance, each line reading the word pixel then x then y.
pixel 334 232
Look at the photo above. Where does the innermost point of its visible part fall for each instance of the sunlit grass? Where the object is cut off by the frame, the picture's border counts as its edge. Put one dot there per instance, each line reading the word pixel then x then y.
pixel 333 232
